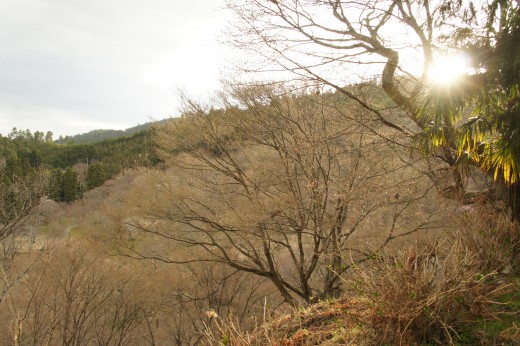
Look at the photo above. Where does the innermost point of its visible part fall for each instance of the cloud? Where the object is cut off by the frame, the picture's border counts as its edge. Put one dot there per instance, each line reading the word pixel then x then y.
pixel 109 64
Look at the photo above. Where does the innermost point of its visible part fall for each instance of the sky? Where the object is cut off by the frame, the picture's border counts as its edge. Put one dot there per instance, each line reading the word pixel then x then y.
pixel 72 66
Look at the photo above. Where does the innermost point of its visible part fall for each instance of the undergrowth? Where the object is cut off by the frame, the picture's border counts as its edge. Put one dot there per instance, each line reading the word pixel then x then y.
pixel 460 290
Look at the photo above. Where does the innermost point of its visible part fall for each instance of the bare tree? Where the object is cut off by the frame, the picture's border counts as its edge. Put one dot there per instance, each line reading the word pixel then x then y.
pixel 207 291
pixel 73 298
pixel 341 42
pixel 316 39
pixel 281 187
pixel 19 198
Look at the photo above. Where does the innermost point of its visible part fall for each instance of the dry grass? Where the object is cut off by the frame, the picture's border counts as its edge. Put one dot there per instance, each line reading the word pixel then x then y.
pixel 429 294
pixel 414 299
pixel 339 322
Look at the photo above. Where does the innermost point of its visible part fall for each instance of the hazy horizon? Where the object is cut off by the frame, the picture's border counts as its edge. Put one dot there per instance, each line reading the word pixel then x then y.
pixel 72 67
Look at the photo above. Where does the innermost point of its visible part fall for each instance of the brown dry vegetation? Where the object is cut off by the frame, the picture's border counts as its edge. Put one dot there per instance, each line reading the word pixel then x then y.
pixel 73 289
pixel 295 190
pixel 301 199
pixel 429 294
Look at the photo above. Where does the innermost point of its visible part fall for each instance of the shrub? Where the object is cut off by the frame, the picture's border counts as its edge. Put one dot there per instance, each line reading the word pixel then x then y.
pixel 429 293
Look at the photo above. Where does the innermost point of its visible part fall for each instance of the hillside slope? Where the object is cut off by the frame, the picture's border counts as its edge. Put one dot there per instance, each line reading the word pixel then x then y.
pixel 100 135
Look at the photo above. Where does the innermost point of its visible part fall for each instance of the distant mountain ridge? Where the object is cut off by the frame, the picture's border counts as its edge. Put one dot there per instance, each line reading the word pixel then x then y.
pixel 96 136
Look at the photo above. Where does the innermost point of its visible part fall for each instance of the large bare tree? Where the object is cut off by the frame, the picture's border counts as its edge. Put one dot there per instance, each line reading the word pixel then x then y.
pixel 280 185
pixel 340 42
pixel 329 41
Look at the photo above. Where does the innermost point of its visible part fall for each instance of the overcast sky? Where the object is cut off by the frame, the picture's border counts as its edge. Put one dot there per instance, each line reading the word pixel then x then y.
pixel 71 66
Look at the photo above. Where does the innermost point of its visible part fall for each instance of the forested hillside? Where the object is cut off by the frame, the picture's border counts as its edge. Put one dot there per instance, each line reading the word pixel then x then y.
pixel 74 168
pixel 95 136
pixel 285 201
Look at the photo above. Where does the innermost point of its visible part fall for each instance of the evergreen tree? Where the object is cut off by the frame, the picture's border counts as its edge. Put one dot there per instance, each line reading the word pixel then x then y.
pixel 56 186
pixel 48 137
pixel 13 165
pixel 71 186
pixel 35 158
pixel 96 175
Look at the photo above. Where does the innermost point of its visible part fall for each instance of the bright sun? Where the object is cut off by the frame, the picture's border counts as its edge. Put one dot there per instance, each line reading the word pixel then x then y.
pixel 448 68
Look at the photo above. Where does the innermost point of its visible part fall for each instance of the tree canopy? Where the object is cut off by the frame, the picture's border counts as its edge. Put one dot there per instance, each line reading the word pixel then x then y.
pixel 473 121
pixel 281 185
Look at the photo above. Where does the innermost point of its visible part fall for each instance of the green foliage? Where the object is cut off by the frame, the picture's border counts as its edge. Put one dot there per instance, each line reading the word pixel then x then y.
pixel 504 328
pixel 12 167
pixel 65 186
pixel 56 185
pixel 96 136
pixel 96 175
pixel 25 153
pixel 479 118
pixel 71 186
pixel 125 152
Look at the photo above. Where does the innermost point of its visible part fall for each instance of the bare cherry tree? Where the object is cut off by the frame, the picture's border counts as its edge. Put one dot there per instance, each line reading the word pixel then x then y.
pixel 208 291
pixel 18 199
pixel 279 185
pixel 74 298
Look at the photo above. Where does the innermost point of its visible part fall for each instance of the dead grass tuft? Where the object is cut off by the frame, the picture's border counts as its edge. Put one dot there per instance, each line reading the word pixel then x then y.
pixel 429 294
pixel 339 322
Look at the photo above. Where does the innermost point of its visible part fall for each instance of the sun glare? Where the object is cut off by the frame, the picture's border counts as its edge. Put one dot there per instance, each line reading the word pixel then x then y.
pixel 448 68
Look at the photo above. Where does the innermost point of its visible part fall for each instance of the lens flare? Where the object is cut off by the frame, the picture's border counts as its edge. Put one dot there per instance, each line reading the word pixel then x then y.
pixel 448 68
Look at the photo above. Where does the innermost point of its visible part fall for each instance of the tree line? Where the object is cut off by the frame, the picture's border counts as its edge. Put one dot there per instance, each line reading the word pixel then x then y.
pixel 27 154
